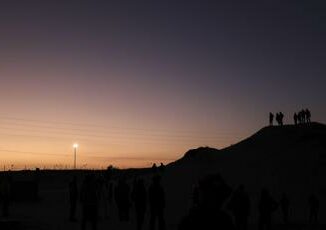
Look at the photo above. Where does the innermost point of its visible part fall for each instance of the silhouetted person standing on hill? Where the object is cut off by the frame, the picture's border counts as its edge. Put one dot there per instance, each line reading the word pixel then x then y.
pixel 313 209
pixel 73 195
pixel 271 119
pixel 295 118
pixel 139 197
pixel 89 200
pixel 157 203
pixel 240 207
pixel 308 115
pixel 281 118
pixel 267 205
pixel 122 199
pixel 285 206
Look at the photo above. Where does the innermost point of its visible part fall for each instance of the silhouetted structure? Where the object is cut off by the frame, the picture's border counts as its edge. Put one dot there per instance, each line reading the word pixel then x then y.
pixel 271 119
pixel 122 199
pixel 73 196
pixel 89 200
pixel 207 213
pixel 267 205
pixel 139 197
pixel 157 203
pixel 313 209
pixel 239 205
pixel 285 207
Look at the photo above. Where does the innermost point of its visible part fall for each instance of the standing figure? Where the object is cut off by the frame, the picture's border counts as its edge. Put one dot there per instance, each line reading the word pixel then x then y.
pixel 285 206
pixel 281 118
pixel 271 119
pixel 73 195
pixel 122 199
pixel 295 118
pixel 240 207
pixel 139 197
pixel 267 205
pixel 313 209
pixel 157 203
pixel 308 116
pixel 89 200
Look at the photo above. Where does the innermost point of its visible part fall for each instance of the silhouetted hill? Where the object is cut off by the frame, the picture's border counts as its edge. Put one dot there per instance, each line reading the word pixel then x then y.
pixel 288 159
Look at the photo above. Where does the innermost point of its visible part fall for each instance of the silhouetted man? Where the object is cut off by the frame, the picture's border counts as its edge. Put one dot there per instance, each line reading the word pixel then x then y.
pixel 267 205
pixel 122 199
pixel 303 116
pixel 285 206
pixel 308 115
pixel 271 119
pixel 281 118
pixel 240 208
pixel 295 118
pixel 139 197
pixel 73 194
pixel 313 209
pixel 157 203
pixel 89 200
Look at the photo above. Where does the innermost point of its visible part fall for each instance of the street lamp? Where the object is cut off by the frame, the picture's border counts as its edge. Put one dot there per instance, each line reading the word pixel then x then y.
pixel 75 146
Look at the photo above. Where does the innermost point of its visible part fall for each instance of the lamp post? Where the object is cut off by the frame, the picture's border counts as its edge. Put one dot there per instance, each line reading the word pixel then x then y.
pixel 75 146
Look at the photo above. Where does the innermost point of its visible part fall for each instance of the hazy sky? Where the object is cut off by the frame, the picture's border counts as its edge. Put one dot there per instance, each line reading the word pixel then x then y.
pixel 137 82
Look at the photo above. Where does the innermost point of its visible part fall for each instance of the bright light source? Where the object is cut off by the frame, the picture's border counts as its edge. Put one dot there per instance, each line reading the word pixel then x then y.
pixel 75 146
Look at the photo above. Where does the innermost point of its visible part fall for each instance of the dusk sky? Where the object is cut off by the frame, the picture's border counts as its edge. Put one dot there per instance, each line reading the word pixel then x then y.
pixel 138 82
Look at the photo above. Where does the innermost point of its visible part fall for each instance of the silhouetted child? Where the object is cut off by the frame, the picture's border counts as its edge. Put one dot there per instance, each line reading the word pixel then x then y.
pixel 139 197
pixel 285 207
pixel 313 209
pixel 89 201
pixel 267 205
pixel 73 195
pixel 239 205
pixel 122 199
pixel 271 118
pixel 157 203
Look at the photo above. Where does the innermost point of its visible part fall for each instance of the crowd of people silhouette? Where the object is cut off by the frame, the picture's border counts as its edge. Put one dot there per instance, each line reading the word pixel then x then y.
pixel 301 117
pixel 215 203
pixel 278 117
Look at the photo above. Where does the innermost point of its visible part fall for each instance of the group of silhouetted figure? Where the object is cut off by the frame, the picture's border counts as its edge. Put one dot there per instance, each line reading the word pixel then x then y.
pixel 216 206
pixel 278 117
pixel 301 117
pixel 99 191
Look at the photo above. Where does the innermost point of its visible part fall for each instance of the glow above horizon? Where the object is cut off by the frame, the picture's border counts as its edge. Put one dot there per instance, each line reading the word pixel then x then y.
pixel 136 84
